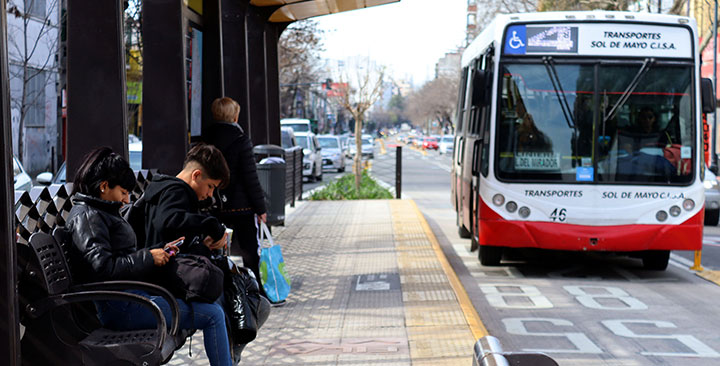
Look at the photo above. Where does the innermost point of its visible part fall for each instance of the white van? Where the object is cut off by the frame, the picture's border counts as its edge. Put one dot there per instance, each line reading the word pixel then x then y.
pixel 297 124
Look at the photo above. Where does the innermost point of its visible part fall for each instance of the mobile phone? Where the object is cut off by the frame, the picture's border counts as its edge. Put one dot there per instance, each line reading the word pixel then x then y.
pixel 171 251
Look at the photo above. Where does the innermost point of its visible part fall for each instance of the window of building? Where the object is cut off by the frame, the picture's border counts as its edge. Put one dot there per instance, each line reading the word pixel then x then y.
pixel 36 8
pixel 35 88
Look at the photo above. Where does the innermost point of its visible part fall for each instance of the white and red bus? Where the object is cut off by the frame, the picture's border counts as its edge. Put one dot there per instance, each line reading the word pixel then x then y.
pixel 582 131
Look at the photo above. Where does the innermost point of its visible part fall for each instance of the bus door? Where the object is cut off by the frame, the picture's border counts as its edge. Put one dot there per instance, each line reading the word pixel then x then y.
pixel 480 122
pixel 471 141
pixel 456 175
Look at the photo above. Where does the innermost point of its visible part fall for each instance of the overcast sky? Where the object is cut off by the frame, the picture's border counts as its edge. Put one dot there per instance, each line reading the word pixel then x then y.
pixel 408 37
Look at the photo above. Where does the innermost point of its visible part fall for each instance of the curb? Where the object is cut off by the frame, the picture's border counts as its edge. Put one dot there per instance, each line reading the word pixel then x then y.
pixel 471 316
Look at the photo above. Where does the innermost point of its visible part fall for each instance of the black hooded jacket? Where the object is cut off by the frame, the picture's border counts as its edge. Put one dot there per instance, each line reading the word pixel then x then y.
pixel 104 246
pixel 243 195
pixel 172 211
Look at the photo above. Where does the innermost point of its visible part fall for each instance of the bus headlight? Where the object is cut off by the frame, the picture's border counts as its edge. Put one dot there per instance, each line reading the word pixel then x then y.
pixel 661 215
pixel 511 206
pixel 688 204
pixel 498 199
pixel 675 211
pixel 524 212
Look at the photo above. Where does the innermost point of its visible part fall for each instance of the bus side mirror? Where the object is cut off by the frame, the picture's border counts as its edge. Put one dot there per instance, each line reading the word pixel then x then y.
pixel 479 88
pixel 707 90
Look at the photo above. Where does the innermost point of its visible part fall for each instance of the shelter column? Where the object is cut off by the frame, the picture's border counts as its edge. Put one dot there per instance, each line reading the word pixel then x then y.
pixel 165 101
pixel 9 319
pixel 96 100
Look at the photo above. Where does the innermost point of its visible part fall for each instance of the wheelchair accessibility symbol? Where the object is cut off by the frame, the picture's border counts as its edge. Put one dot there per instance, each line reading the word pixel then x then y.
pixel 515 42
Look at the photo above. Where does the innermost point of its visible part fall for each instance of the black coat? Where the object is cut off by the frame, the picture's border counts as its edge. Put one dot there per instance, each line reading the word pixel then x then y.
pixel 243 195
pixel 103 243
pixel 172 210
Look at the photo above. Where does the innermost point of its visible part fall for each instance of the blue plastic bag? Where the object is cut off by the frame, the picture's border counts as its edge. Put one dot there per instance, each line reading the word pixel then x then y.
pixel 273 275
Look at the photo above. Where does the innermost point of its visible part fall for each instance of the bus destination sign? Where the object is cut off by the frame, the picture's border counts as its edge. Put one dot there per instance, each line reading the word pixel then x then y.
pixel 599 39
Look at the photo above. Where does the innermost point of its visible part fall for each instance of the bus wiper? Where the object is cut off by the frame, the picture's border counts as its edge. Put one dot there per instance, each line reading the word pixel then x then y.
pixel 555 80
pixel 630 89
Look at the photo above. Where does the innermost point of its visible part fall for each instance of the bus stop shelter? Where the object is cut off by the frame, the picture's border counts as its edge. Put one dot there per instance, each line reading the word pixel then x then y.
pixel 193 52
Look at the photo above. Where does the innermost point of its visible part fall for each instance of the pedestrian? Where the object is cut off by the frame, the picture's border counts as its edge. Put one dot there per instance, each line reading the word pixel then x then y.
pixel 243 199
pixel 173 203
pixel 104 249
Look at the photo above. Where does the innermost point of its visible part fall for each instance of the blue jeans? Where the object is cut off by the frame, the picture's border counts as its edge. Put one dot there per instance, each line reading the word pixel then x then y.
pixel 210 318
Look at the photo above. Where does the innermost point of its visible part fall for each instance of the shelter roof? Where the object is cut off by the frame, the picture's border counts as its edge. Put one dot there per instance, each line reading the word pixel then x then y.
pixel 292 10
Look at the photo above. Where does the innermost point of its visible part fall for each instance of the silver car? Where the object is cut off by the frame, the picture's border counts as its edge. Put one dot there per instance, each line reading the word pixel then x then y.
pixel 312 161
pixel 712 198
pixel 333 154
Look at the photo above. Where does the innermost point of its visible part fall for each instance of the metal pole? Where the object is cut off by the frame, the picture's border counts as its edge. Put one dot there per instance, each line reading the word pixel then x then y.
pixel 9 329
pixel 398 172
pixel 713 158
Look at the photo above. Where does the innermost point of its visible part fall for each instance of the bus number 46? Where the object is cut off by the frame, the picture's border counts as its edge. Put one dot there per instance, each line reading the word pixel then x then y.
pixel 559 214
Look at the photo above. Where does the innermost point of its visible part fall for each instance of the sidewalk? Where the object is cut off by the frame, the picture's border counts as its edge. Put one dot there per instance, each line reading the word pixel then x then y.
pixel 369 286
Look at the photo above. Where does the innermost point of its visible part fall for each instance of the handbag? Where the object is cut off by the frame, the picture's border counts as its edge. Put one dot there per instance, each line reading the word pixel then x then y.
pixel 192 278
pixel 273 275
pixel 242 301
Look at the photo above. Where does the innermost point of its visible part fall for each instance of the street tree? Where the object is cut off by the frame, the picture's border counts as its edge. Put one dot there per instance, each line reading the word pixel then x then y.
pixel 364 88
pixel 299 64
pixel 33 39
pixel 435 101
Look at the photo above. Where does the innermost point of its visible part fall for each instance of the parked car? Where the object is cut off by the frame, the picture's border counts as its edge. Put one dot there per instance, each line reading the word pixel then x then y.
pixel 430 143
pixel 333 154
pixel 135 160
pixel 21 179
pixel 287 137
pixel 367 147
pixel 446 144
pixel 312 158
pixel 712 198
pixel 297 124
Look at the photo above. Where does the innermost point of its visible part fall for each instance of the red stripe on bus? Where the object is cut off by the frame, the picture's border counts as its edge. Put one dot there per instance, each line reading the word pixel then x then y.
pixel 495 231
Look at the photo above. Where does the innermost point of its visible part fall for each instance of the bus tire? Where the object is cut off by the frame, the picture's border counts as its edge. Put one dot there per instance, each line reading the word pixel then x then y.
pixel 463 232
pixel 711 217
pixel 473 244
pixel 489 255
pixel 656 260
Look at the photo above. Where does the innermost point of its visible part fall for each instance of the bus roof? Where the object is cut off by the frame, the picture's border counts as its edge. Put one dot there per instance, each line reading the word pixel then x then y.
pixel 493 32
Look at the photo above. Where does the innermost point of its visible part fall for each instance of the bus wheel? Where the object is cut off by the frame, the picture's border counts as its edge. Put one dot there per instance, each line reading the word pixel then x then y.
pixel 489 255
pixel 656 260
pixel 463 232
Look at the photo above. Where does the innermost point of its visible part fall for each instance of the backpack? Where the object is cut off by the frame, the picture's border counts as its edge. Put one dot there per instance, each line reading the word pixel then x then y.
pixel 134 214
pixel 192 278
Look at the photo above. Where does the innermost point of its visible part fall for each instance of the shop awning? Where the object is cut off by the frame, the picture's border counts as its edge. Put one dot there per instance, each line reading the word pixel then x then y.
pixel 292 10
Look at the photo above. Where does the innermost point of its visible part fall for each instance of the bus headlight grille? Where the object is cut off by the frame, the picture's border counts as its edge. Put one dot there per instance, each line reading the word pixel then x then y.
pixel 675 211
pixel 688 204
pixel 661 215
pixel 524 212
pixel 498 199
pixel 511 206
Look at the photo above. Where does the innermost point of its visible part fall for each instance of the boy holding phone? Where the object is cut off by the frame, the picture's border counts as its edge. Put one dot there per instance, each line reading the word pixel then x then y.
pixel 173 203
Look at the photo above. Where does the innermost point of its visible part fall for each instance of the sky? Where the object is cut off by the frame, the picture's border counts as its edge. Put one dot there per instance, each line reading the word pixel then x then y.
pixel 407 37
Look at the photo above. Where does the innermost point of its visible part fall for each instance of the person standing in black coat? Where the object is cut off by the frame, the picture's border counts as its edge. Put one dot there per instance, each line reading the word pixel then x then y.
pixel 243 198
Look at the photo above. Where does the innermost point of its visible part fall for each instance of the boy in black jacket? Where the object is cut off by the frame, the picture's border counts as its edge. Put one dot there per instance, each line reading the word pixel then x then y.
pixel 173 203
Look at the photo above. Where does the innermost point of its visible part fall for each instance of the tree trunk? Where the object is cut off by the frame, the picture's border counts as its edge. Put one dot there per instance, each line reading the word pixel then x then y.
pixel 358 151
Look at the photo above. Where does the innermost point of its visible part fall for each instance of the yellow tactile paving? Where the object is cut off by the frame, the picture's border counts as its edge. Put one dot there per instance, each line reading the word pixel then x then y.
pixel 442 323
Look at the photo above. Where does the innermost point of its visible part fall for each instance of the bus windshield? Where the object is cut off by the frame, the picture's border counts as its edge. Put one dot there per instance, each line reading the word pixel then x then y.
pixel 570 123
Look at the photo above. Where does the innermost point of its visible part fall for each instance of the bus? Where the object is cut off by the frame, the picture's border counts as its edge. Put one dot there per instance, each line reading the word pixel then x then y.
pixel 582 131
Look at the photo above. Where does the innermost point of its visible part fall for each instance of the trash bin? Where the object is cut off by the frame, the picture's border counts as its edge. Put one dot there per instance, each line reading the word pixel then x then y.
pixel 271 173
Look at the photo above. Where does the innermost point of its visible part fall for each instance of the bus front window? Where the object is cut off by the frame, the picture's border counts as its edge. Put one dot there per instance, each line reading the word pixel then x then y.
pixel 649 138
pixel 553 127
pixel 545 132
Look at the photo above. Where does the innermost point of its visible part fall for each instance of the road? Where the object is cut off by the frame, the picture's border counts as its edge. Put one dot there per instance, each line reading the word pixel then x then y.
pixel 580 309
